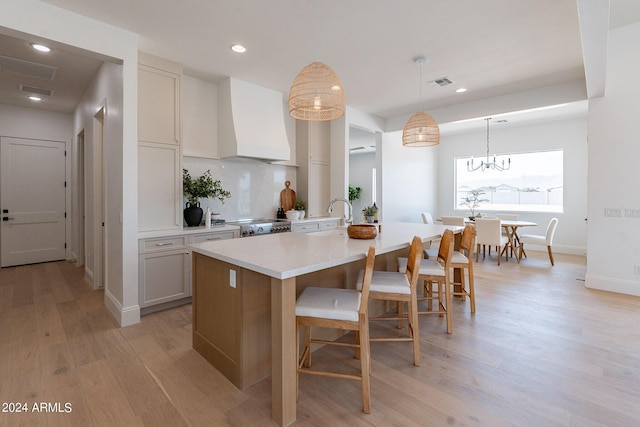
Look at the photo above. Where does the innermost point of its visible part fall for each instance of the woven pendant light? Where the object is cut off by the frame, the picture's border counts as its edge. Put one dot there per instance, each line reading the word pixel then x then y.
pixel 316 94
pixel 421 130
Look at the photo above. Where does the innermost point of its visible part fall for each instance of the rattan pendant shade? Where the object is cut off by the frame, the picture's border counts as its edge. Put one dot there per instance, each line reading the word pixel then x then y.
pixel 421 130
pixel 316 94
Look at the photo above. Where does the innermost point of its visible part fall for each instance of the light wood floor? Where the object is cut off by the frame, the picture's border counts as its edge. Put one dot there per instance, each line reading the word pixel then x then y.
pixel 541 351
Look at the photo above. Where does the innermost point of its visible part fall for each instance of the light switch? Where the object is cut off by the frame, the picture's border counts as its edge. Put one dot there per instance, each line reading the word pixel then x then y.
pixel 232 278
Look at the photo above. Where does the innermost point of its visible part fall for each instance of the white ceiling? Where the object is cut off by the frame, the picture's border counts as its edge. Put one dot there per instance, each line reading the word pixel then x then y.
pixel 490 47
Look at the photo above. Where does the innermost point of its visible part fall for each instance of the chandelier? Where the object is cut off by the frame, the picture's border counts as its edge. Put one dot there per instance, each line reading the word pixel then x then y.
pixel 421 130
pixel 486 164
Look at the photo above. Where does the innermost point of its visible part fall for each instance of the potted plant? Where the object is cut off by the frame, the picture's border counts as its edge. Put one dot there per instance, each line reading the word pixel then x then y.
pixel 354 193
pixel 300 206
pixel 472 200
pixel 369 212
pixel 195 189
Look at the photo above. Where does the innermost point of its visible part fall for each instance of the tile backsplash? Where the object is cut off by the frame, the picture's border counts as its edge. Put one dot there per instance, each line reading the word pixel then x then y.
pixel 254 185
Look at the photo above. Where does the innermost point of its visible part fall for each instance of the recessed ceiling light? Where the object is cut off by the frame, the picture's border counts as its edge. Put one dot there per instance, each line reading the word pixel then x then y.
pixel 35 98
pixel 238 48
pixel 40 47
pixel 460 90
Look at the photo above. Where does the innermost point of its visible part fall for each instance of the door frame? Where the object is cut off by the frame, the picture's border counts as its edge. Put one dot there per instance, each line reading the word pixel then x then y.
pixel 99 200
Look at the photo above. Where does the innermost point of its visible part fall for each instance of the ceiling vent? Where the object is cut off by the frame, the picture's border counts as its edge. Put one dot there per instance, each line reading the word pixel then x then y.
pixel 32 69
pixel 441 82
pixel 36 90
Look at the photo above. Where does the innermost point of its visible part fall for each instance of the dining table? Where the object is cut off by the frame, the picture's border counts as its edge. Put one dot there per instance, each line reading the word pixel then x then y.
pixel 511 229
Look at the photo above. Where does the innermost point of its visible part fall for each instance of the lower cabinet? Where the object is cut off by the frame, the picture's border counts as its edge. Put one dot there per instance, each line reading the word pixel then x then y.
pixel 309 226
pixel 164 269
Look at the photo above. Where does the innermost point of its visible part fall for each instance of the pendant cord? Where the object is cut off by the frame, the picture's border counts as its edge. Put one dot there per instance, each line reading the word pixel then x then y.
pixel 421 108
pixel 315 6
pixel 488 138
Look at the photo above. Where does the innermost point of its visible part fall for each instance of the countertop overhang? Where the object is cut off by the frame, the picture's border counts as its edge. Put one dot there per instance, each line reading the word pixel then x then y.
pixel 286 255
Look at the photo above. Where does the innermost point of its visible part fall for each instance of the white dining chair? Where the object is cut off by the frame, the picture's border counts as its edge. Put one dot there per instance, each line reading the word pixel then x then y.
pixel 453 220
pixel 489 233
pixel 427 218
pixel 546 240
pixel 429 251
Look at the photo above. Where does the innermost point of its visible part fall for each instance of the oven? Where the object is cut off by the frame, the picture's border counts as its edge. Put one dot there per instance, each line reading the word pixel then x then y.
pixel 260 226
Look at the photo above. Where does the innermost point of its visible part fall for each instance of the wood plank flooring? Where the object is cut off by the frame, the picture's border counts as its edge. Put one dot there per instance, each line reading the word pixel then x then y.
pixel 541 350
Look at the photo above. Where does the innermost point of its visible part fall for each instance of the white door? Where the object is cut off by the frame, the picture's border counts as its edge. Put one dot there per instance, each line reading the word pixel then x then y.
pixel 33 201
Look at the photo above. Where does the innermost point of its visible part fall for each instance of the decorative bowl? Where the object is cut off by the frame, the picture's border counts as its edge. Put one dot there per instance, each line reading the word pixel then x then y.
pixel 292 215
pixel 362 231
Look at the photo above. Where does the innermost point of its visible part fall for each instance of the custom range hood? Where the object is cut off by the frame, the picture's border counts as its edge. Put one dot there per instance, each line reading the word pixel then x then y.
pixel 251 122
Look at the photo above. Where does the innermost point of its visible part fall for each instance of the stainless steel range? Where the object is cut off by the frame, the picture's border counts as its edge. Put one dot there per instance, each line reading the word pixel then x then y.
pixel 256 227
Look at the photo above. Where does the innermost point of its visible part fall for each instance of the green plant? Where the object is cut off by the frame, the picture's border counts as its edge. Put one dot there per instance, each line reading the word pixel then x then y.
pixel 472 200
pixel 369 210
pixel 202 187
pixel 354 193
pixel 300 205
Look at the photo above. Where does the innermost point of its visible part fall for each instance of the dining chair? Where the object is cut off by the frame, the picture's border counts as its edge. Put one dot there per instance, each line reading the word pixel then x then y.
pixel 436 272
pixel 429 252
pixel 489 233
pixel 463 259
pixel 453 220
pixel 427 218
pixel 546 240
pixel 401 288
pixel 343 309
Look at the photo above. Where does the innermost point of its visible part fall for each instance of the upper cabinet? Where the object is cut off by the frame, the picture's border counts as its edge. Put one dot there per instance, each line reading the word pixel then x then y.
pixel 200 118
pixel 159 100
pixel 159 144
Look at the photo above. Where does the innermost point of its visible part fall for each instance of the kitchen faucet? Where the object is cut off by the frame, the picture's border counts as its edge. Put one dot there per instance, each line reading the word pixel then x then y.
pixel 347 220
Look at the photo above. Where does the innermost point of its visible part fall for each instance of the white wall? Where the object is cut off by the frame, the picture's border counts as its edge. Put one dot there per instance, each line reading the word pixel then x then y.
pixel 569 135
pixel 409 179
pixel 105 91
pixel 613 244
pixel 31 17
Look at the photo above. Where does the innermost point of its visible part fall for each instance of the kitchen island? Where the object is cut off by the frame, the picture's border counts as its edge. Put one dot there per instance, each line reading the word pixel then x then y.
pixel 244 294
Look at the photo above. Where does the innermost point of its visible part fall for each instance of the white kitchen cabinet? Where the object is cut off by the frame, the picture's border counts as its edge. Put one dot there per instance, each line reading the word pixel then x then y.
pixel 164 271
pixel 309 226
pixel 199 118
pixel 159 144
pixel 164 267
pixel 314 167
pixel 160 190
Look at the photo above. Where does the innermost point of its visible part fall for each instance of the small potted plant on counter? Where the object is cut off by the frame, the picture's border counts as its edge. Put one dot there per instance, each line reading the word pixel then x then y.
pixel 195 189
pixel 300 206
pixel 369 213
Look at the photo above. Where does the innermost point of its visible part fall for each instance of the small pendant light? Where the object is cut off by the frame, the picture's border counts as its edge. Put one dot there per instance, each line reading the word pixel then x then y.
pixel 421 130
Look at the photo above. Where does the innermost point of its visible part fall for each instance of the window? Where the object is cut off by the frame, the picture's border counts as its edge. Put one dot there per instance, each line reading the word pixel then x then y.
pixel 534 183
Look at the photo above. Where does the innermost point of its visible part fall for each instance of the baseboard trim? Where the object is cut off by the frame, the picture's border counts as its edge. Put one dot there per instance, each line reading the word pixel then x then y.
pixel 124 316
pixel 626 287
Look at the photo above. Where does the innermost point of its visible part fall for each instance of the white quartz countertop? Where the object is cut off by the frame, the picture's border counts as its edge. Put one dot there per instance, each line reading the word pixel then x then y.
pixel 285 255
pixel 186 231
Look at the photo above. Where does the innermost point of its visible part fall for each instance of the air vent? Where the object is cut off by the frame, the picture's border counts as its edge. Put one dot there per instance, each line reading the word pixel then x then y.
pixel 442 82
pixel 32 69
pixel 36 90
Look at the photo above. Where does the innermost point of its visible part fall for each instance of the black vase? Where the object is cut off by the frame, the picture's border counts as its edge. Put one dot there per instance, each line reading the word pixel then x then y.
pixel 193 214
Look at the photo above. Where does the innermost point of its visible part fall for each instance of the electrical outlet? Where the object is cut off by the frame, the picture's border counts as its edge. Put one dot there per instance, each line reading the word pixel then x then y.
pixel 636 269
pixel 632 213
pixel 232 278
pixel 614 212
